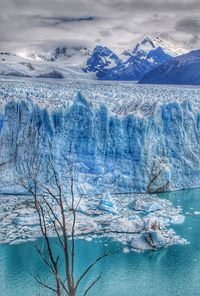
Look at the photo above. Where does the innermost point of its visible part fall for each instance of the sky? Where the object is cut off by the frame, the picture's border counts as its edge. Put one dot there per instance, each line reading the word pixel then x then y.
pixel 26 25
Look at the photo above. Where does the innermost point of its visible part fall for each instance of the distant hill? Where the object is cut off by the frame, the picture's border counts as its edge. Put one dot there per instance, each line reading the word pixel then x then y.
pixel 184 69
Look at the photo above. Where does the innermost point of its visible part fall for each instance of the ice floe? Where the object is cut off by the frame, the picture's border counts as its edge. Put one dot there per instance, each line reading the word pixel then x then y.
pixel 127 218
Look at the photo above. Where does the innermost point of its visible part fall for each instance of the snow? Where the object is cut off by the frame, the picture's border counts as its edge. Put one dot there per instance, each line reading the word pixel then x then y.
pixel 15 65
pixel 151 42
pixel 144 46
pixel 111 63
pixel 72 56
pixel 79 62
pixel 168 46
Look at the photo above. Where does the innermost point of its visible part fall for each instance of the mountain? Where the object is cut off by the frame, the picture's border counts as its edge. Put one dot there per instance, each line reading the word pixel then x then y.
pixel 184 69
pixel 18 66
pixel 146 44
pixel 144 57
pixel 102 63
pixel 150 51
pixel 14 65
pixel 102 58
pixel 73 54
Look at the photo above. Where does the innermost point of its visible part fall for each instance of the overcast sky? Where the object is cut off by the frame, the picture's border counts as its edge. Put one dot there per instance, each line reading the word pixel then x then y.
pixel 29 24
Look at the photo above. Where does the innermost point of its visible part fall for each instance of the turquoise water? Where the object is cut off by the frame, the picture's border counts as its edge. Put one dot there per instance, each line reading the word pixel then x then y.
pixel 172 271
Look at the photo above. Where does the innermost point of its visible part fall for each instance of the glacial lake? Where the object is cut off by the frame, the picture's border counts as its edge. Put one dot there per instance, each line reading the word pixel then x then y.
pixel 172 271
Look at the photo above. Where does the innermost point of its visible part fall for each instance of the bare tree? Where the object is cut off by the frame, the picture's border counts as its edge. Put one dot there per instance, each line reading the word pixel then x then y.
pixel 56 206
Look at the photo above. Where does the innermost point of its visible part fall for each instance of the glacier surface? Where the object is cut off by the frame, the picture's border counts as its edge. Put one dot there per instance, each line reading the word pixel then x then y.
pixel 125 137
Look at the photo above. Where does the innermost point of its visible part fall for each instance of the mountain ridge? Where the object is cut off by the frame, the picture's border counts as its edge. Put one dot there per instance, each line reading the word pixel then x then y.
pixel 145 56
pixel 102 63
pixel 182 70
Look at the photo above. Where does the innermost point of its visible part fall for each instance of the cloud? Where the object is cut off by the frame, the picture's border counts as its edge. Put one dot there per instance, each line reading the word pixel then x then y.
pixel 105 33
pixel 162 6
pixel 191 27
pixel 56 20
pixel 188 25
pixel 114 23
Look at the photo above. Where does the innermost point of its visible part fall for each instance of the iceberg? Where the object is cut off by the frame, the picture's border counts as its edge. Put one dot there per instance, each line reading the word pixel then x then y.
pixel 108 205
pixel 140 204
pixel 149 240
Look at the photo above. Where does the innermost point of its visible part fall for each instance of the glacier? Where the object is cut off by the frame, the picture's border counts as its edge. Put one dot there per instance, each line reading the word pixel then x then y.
pixel 121 137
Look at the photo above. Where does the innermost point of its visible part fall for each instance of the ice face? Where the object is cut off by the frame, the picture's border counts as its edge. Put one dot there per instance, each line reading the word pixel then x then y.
pixel 114 140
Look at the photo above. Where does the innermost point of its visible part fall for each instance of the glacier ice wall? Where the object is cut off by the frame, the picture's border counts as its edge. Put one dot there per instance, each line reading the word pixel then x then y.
pixel 156 152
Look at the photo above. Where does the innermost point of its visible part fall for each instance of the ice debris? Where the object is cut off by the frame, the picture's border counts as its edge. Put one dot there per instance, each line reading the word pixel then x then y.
pixel 108 205
pixel 135 229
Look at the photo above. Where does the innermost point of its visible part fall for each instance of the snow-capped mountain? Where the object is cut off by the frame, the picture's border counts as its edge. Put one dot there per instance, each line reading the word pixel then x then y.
pixel 145 56
pixel 102 58
pixel 72 55
pixel 147 44
pixel 14 65
pixel 169 47
pixel 143 48
pixel 18 66
pixel 183 69
pixel 150 51
pixel 102 63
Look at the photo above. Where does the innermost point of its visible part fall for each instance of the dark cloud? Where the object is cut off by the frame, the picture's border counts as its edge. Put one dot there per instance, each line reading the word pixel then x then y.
pixel 191 27
pixel 105 33
pixel 188 25
pixel 55 21
pixel 154 6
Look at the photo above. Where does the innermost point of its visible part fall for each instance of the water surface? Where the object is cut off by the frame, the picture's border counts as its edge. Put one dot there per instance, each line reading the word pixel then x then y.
pixel 170 271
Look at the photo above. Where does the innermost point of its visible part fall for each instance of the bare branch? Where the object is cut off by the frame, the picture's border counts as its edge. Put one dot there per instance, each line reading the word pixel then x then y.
pixel 89 268
pixel 91 285
pixel 42 283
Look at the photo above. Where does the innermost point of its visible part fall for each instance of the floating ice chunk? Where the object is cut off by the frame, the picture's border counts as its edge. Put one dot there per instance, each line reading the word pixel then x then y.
pixel 126 225
pixel 86 225
pixel 178 219
pixel 155 238
pixel 139 242
pixel 26 220
pixel 126 250
pixel 197 213
pixel 82 208
pixel 142 230
pixel 88 239
pixel 152 224
pixel 143 204
pixel 17 242
pixel 108 205
pixel 149 240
